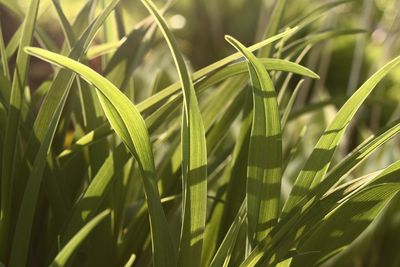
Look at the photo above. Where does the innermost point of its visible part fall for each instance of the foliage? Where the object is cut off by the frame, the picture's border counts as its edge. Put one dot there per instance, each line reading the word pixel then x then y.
pixel 249 161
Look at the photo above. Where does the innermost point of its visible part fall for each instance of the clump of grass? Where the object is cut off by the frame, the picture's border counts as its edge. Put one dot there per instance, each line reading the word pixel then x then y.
pixel 96 171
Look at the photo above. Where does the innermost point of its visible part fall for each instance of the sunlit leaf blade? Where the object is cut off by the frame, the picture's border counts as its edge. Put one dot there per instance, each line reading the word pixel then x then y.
pixel 265 152
pixel 103 49
pixel 319 161
pixel 194 158
pixel 241 67
pixel 203 83
pixel 70 248
pixel 66 27
pixel 222 255
pixel 338 228
pixel 292 230
pixel 130 127
pixel 339 172
pixel 3 54
pixel 353 159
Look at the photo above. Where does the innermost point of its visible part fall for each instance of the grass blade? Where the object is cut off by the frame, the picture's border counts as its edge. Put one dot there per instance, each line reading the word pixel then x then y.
pixel 194 158
pixel 70 248
pixel 273 27
pixel 265 152
pixel 211 68
pixel 13 122
pixel 66 27
pixel 359 210
pixel 319 161
pixel 202 84
pixel 97 190
pixel 130 127
pixel 4 58
pixel 222 256
pixel 290 104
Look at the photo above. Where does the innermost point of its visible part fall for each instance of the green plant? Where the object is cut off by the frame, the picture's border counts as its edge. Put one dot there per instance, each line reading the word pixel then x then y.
pixel 190 175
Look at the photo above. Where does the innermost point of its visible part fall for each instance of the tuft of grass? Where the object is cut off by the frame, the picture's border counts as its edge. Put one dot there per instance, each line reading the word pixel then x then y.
pixel 111 162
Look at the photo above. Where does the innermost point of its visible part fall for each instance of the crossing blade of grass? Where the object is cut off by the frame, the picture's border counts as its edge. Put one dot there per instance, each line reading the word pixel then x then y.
pixel 292 226
pixel 66 27
pixel 367 239
pixel 359 210
pixel 321 9
pixel 298 45
pixel 70 248
pixel 222 256
pixel 319 161
pixel 123 62
pixel 290 104
pixel 234 177
pixel 352 160
pixel 265 151
pixel 194 157
pixel 210 69
pixel 12 44
pixel 286 235
pixel 61 85
pixel 130 127
pixel 241 67
pixel 40 35
pixel 237 55
pixel 41 140
pixel 294 229
pixel 4 58
pixel 95 192
pixel 273 27
pixel 202 84
pixel 90 138
pixel 57 95
pixel 104 49
pixel 22 235
pixel 13 122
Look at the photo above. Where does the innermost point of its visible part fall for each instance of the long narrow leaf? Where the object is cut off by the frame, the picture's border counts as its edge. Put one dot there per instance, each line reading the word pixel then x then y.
pixel 69 249
pixel 319 161
pixel 129 125
pixel 11 141
pixel 194 157
pixel 265 151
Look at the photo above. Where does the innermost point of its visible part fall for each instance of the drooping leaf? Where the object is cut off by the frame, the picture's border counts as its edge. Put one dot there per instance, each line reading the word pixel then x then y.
pixel 130 127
